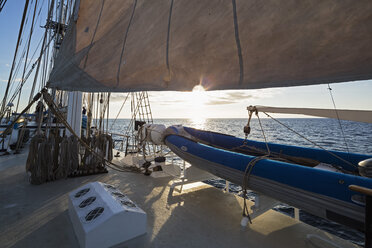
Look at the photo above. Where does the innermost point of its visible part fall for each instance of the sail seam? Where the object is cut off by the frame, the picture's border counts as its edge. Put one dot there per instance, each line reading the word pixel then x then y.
pixel 238 46
pixel 168 35
pixel 94 34
pixel 124 42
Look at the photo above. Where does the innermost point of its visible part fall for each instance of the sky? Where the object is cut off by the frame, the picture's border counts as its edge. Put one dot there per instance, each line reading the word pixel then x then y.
pixel 198 104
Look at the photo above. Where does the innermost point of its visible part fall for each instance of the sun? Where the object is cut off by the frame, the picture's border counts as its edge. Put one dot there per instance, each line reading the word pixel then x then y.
pixel 198 88
pixel 197 103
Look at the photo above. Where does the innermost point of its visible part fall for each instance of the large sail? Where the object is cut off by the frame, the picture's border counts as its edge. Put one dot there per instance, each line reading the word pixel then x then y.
pixel 132 45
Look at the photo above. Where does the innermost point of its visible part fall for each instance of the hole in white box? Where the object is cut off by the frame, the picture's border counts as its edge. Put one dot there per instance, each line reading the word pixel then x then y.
pixel 108 186
pixel 87 202
pixel 94 213
pixel 82 192
pixel 128 204
pixel 118 194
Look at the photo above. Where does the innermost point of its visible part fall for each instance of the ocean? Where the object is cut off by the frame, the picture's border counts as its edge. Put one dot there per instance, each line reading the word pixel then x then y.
pixel 324 132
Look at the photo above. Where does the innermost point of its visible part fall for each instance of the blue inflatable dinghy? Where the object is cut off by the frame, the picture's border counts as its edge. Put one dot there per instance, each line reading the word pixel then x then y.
pixel 314 180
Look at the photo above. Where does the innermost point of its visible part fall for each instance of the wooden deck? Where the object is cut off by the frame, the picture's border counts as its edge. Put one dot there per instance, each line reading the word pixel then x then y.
pixel 37 216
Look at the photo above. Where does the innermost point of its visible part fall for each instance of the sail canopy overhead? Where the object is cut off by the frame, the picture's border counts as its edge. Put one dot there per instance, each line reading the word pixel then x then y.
pixel 133 45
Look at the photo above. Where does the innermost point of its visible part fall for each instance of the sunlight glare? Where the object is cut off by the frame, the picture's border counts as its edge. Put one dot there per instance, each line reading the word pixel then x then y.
pixel 197 101
pixel 198 88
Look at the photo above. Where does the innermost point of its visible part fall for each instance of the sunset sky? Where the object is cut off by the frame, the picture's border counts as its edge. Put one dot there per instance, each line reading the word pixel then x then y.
pixel 211 104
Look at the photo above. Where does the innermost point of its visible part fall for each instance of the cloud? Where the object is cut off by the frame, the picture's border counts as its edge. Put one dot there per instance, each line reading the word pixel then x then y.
pixel 223 97
pixel 227 97
pixel 118 97
pixel 219 102
pixel 239 95
pixel 7 65
pixel 169 102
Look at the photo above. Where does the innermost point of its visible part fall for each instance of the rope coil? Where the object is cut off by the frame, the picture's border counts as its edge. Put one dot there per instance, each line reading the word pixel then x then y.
pixel 55 157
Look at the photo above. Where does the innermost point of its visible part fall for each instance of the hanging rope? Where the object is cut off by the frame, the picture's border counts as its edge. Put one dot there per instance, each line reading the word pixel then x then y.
pixel 37 161
pixel 252 163
pixel 247 173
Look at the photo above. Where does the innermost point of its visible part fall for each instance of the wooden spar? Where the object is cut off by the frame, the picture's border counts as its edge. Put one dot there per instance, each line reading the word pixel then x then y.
pixel 343 114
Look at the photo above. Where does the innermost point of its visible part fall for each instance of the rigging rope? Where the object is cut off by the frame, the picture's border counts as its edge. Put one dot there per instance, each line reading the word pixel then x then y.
pixel 2 4
pixel 14 59
pixel 10 127
pixel 120 110
pixel 23 82
pixel 21 59
pixel 107 108
pixel 27 52
pixel 43 49
pixel 252 163
pixel 338 118
pixel 315 144
pixel 263 133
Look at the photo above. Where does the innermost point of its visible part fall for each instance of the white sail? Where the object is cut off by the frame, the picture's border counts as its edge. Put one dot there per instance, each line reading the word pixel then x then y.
pixel 133 45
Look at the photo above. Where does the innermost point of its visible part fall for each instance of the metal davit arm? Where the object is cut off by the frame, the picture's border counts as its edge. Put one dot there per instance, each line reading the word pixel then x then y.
pixel 368 217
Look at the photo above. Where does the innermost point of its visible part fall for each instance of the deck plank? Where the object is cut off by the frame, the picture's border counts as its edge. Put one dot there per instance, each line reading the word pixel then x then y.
pixel 37 216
